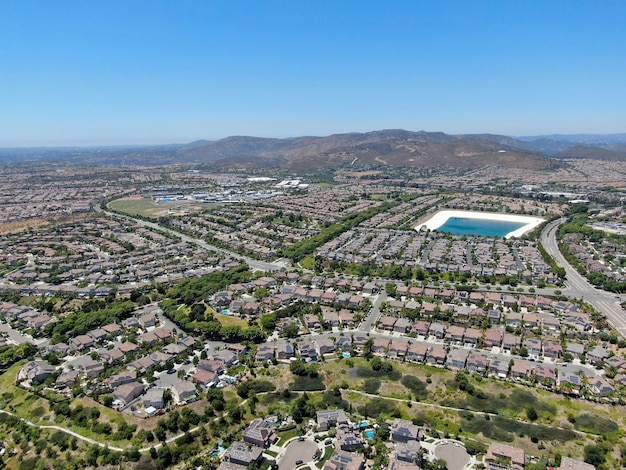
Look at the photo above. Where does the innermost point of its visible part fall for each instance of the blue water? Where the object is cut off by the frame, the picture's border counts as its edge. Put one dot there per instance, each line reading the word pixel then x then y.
pixel 225 312
pixel 369 434
pixel 483 227
pixel 345 355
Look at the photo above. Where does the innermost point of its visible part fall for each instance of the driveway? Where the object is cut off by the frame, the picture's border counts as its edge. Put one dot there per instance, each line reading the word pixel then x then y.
pixel 297 450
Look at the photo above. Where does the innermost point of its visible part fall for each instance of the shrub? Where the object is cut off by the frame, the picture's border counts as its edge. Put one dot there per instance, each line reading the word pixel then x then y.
pixel 371 385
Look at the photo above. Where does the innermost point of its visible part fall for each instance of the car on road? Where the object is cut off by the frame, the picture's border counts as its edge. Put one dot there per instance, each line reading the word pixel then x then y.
pixel 171 371
pixel 299 462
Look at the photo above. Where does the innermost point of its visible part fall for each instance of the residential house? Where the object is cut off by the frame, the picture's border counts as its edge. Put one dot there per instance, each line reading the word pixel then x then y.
pixel 35 371
pixel 205 378
pixel 312 321
pixel 154 398
pixel 417 352
pixel 436 355
pixel 598 355
pixel 81 342
pixel 380 345
pixel 403 325
pixel 552 350
pixel 495 316
pixel 402 430
pixel 99 334
pixel 284 350
pixel 307 350
pixel 111 355
pixel 240 453
pixel 260 432
pixel 359 340
pixel 514 319
pixel 329 418
pixel 598 385
pixel 387 323
pixel 568 463
pixel 183 392
pixel 522 369
pixel 93 369
pixel 404 456
pixel 514 456
pixel 421 328
pixel 66 379
pixel 493 337
pixel 212 365
pixel 124 377
pixel 499 368
pixel 349 439
pixel 226 356
pixel 455 334
pixel 148 320
pixel 577 350
pixel 324 346
pixel 531 320
pixel 340 460
pixel 477 362
pixel 346 318
pixel 569 382
pixel 397 348
pixel 437 330
pixel 510 342
pixel 533 346
pixel 343 343
pixel 457 358
pixel 126 393
pixel 545 374
pixel 331 318
pixel 550 322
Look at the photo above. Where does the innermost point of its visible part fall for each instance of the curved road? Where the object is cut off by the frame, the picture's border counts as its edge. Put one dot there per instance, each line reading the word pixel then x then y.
pixel 253 263
pixel 604 302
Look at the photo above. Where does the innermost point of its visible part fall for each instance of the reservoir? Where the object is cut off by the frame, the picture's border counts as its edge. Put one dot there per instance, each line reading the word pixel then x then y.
pixel 486 224
pixel 482 227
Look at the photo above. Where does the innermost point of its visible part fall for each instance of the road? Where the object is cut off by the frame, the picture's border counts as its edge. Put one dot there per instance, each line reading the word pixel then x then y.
pixel 578 287
pixel 253 263
pixel 16 336
pixel 370 320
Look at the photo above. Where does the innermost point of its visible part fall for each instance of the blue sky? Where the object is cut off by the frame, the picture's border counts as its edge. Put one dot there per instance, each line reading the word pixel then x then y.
pixel 113 72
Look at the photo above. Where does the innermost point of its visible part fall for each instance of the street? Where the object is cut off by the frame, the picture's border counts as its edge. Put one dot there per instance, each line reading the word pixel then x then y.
pixel 578 287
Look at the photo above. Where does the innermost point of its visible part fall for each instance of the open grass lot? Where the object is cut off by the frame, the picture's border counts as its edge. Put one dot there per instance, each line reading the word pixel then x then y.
pixel 487 410
pixel 16 227
pixel 147 208
pixel 230 320
pixel 27 405
pixel 563 425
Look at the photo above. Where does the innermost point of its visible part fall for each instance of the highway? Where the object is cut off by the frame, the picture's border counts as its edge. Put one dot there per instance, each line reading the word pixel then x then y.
pixel 578 287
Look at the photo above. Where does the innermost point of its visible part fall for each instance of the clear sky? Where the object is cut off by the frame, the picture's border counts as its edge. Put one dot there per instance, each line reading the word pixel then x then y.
pixel 132 71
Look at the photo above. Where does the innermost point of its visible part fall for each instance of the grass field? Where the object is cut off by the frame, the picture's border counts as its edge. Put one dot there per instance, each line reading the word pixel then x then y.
pixel 147 208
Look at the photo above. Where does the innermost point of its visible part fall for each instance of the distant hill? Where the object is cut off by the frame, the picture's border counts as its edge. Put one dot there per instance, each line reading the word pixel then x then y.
pixel 594 153
pixel 555 143
pixel 393 147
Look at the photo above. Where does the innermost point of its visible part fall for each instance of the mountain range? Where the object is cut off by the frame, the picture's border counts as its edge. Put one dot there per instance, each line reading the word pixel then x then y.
pixel 392 147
